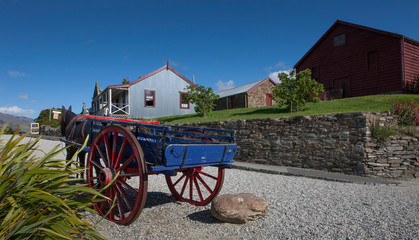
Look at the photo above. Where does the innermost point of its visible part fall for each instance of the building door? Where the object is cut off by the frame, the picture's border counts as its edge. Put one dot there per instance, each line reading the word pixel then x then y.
pixel 268 99
pixel 344 84
pixel 233 101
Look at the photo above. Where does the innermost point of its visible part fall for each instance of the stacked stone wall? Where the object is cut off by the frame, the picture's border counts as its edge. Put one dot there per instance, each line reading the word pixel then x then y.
pixel 336 143
pixel 257 97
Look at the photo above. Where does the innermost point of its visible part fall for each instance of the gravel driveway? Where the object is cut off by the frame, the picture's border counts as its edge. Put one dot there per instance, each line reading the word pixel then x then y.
pixel 300 208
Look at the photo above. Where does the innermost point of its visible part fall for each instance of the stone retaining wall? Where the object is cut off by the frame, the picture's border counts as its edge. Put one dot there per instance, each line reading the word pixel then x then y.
pixel 337 143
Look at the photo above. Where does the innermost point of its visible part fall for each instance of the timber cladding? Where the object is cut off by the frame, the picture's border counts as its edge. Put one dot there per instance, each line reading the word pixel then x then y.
pixel 411 60
pixel 362 61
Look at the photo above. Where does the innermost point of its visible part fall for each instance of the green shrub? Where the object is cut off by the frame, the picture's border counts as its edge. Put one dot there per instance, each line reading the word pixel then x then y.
pixel 38 199
pixel 407 113
pixel 44 119
pixel 381 133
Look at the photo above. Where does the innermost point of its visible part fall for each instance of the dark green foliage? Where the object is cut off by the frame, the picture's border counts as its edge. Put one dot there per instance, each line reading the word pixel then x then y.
pixel 125 81
pixel 203 98
pixel 9 130
pixel 294 90
pixel 44 118
pixel 38 199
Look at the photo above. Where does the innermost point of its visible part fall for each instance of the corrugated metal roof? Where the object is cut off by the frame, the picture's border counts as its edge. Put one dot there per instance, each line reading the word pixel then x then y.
pixel 238 90
pixel 243 89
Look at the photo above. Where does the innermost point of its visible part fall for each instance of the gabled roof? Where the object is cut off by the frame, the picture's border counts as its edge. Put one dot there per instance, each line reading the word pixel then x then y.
pixel 166 67
pixel 339 22
pixel 243 89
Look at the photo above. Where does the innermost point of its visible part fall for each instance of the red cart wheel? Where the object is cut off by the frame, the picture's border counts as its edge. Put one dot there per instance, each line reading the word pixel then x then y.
pixel 196 186
pixel 116 150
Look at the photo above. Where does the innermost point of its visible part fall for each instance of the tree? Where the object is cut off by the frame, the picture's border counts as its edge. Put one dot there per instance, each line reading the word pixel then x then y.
pixel 125 80
pixel 203 98
pixel 45 118
pixel 295 90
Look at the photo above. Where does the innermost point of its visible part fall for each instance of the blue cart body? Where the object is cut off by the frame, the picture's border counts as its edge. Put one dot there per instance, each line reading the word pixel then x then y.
pixel 170 147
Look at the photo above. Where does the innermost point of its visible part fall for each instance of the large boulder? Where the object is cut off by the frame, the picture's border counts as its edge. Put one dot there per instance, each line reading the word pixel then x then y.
pixel 238 208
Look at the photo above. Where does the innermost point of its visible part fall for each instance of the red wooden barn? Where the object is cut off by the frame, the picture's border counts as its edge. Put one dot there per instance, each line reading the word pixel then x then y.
pixel 354 60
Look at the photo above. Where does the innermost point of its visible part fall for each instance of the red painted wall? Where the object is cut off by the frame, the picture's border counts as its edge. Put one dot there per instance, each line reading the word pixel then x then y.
pixel 411 63
pixel 370 62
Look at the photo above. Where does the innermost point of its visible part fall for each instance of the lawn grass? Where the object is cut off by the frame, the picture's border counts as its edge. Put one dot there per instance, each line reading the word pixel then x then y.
pixel 375 103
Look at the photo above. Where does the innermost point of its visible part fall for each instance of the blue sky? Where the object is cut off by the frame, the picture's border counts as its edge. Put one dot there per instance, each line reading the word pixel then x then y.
pixel 52 52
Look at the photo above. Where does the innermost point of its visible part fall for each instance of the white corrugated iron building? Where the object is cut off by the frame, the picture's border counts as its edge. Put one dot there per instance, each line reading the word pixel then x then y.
pixel 157 94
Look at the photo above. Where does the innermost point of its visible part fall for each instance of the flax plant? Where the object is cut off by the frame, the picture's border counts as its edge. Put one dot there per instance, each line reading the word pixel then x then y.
pixel 39 198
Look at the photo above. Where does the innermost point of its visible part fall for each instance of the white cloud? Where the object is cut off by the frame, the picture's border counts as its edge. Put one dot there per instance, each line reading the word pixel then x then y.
pixel 279 65
pixel 16 74
pixel 23 96
pixel 17 111
pixel 224 85
pixel 274 75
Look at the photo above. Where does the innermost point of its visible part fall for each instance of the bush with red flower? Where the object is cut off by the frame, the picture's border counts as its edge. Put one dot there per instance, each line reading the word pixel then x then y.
pixel 407 113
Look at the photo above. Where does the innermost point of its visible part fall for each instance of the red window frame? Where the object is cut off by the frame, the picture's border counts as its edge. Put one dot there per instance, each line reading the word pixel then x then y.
pixel 145 98
pixel 181 102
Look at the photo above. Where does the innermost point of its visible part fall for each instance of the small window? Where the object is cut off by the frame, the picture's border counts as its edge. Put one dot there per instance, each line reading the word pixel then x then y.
pixel 372 61
pixel 150 98
pixel 184 104
pixel 315 74
pixel 340 40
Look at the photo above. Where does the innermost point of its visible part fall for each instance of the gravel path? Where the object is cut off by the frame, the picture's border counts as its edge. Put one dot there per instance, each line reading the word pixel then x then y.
pixel 300 208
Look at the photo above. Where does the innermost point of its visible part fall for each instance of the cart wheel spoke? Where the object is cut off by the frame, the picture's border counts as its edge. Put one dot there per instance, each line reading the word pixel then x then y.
pixel 114 147
pixel 126 198
pixel 180 179
pixel 204 183
pixel 116 150
pixel 190 190
pixel 184 186
pixel 125 165
pixel 211 179
pixel 198 190
pixel 103 156
pixel 206 174
pixel 97 164
pixel 107 150
pixel 121 153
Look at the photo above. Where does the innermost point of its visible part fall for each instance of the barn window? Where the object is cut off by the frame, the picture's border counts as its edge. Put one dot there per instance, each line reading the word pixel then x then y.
pixel 340 40
pixel 315 74
pixel 150 98
pixel 184 104
pixel 372 61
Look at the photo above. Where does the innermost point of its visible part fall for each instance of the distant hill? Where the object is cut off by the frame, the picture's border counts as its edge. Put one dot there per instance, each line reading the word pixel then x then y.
pixel 14 122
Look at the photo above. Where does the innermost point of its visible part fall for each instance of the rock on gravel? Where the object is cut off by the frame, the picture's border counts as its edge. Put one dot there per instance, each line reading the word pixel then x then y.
pixel 238 208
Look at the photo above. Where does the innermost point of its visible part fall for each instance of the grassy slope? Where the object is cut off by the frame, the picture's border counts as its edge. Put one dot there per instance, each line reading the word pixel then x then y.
pixel 375 103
